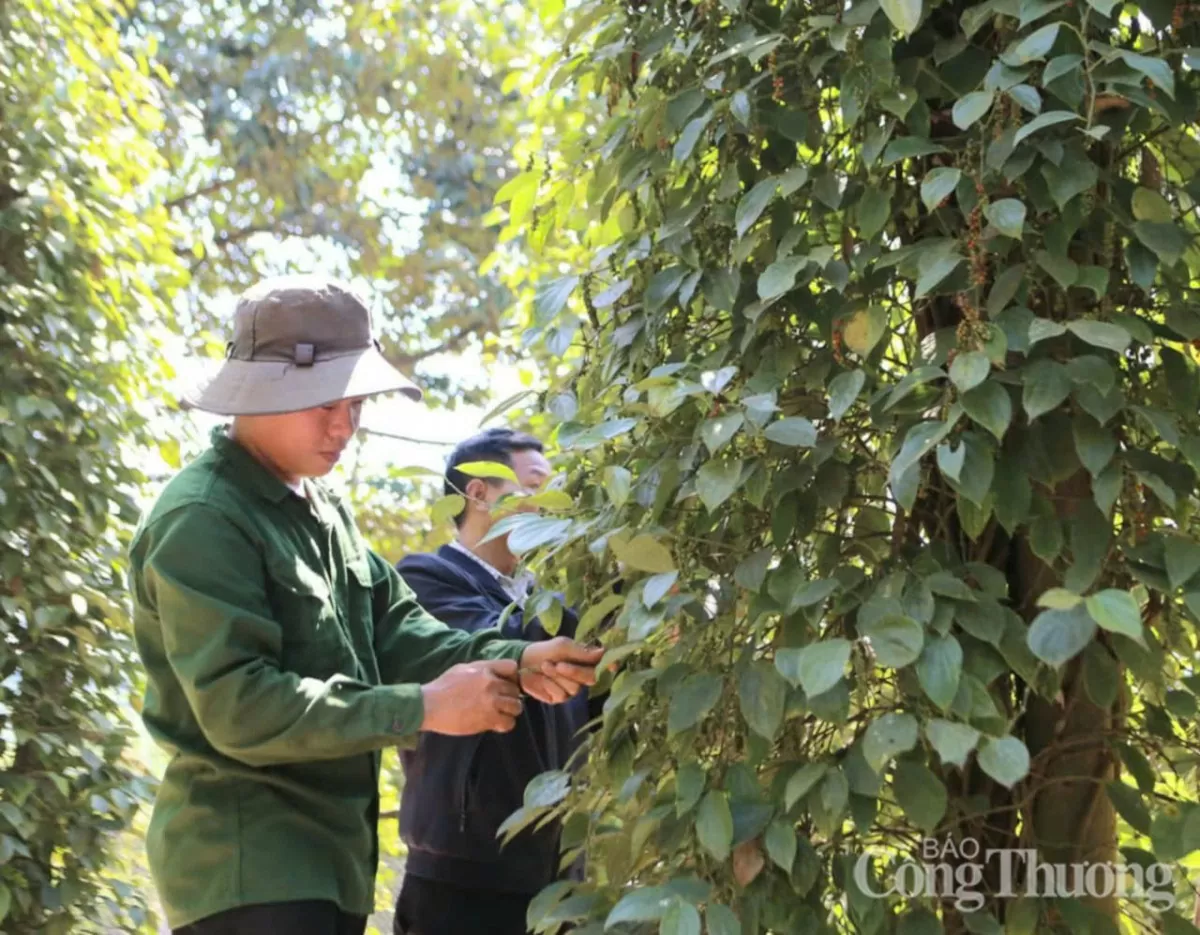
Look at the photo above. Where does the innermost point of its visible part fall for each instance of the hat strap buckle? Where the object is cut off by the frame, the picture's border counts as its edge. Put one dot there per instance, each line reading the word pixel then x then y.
pixel 304 355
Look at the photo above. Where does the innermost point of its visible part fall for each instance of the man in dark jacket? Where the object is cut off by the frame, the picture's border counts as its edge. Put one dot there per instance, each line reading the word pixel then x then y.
pixel 458 791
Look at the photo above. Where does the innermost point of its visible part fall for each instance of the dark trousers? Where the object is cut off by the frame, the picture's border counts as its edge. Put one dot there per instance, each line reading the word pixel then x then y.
pixel 427 907
pixel 310 917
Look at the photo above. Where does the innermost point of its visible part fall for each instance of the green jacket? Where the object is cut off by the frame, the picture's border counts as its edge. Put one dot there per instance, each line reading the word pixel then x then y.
pixel 281 656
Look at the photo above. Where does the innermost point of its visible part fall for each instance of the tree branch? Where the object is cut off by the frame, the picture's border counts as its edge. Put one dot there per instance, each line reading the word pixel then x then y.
pixel 203 192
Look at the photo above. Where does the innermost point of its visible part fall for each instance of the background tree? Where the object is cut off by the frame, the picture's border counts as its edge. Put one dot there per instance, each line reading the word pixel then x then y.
pixel 369 139
pixel 86 272
pixel 876 380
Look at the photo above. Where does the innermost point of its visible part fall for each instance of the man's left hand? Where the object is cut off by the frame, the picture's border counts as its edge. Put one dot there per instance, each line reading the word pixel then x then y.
pixel 555 670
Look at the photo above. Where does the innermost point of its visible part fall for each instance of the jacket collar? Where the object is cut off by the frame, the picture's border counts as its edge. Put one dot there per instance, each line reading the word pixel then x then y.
pixel 474 570
pixel 247 470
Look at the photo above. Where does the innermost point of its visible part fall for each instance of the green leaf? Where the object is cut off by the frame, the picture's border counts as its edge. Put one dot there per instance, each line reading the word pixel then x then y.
pixel 663 285
pixel 1057 636
pixel 689 786
pixel 919 921
pixel 753 203
pixel 803 781
pixel 937 270
pixel 1149 205
pixel 904 14
pixel 551 298
pixel 1008 215
pixel 939 669
pixel 1129 805
pixel 1101 676
pixel 1156 69
pixel 969 370
pixel 952 741
pixel 1047 385
pixel 1059 599
pixel 970 108
pixel 796 432
pixel 716 433
pixel 1094 444
pixel 780 277
pixel 873 211
pixel 816 667
pixel 989 405
pixel 1168 241
pixel 447 507
pixel 896 641
pixel 1094 278
pixel 693 699
pixel 716 481
pixel 1005 289
pixel 722 920
pixel 1183 559
pixel 714 825
pixel 920 794
pixel 618 483
pixel 751 571
pixel 739 106
pixel 489 469
pixel 657 587
pixel 648 904
pixel 843 391
pixel 762 693
pixel 1062 65
pixel 780 840
pixel 1117 612
pixel 681 919
pixel 1005 759
pixel 645 553
pixel 1101 334
pixel 1035 46
pixel 910 147
pixel 938 185
pixel 1063 269
pixel 690 137
pixel 1026 97
pixel 1042 121
pixel 887 737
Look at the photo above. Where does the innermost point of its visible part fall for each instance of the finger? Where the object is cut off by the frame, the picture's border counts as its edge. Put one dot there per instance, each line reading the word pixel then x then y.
pixel 587 655
pixel 551 671
pixel 504 668
pixel 504 724
pixel 549 691
pixel 505 688
pixel 510 706
pixel 577 675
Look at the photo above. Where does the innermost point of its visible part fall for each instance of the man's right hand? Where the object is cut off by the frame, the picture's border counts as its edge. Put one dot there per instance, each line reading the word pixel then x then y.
pixel 473 698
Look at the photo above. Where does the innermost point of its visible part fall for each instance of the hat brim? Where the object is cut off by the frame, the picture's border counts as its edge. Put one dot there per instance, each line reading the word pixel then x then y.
pixel 269 387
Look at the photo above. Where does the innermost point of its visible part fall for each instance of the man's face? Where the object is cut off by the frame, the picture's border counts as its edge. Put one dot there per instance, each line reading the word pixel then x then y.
pixel 532 470
pixel 307 443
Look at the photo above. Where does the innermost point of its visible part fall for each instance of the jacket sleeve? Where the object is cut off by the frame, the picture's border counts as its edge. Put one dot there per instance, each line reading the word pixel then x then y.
pixel 224 648
pixel 416 643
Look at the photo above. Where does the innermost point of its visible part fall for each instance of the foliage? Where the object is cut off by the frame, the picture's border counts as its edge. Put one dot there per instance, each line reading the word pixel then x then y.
pixel 872 331
pixel 85 269
pixel 368 138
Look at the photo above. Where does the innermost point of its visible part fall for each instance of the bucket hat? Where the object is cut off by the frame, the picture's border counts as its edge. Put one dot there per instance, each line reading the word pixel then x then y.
pixel 298 342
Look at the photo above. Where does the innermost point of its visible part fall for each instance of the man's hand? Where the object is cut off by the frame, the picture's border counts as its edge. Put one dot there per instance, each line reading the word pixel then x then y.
pixel 555 670
pixel 473 698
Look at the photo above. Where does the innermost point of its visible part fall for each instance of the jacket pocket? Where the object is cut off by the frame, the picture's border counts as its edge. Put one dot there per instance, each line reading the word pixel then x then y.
pixel 314 641
pixel 465 782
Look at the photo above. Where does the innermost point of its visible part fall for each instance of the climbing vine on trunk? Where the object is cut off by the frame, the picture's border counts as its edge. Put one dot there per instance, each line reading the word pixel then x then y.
pixel 871 332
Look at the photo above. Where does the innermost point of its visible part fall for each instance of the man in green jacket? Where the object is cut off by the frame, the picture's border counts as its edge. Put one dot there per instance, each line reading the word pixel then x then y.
pixel 281 654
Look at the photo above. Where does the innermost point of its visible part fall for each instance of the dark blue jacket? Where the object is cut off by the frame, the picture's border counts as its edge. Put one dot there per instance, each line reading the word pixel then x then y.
pixel 459 790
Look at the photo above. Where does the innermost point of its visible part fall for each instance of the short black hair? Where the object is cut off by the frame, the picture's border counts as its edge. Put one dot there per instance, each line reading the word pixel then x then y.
pixel 497 445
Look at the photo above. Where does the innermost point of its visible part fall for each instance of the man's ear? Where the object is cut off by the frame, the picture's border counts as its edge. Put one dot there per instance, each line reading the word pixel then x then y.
pixel 476 492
